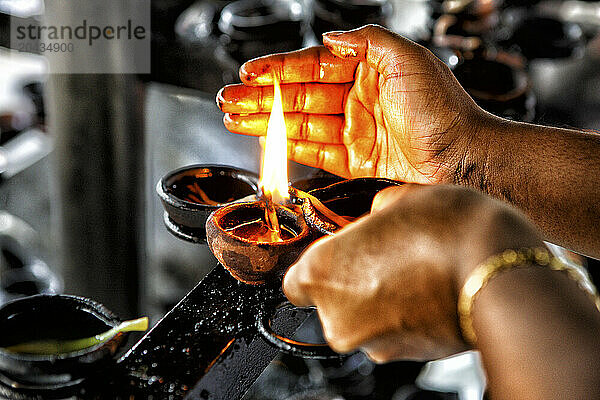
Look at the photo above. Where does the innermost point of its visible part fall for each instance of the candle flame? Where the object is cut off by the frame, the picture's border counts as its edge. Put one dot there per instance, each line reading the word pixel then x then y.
pixel 273 173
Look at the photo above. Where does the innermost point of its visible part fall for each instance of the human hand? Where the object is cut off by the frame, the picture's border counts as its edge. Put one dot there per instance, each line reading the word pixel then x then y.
pixel 388 283
pixel 370 104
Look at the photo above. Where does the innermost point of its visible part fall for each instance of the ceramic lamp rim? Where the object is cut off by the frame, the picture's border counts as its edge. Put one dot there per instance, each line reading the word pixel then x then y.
pixel 301 233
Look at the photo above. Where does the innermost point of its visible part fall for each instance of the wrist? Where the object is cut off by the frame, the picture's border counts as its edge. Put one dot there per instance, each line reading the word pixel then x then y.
pixel 477 161
pixel 493 232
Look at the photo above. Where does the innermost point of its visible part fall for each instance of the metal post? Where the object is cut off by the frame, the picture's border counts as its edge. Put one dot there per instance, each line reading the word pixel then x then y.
pixel 97 121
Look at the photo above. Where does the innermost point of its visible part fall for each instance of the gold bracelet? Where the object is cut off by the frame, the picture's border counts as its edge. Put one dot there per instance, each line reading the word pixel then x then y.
pixel 507 260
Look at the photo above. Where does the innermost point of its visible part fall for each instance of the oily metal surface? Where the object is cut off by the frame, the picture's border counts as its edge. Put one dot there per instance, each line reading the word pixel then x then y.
pixel 206 347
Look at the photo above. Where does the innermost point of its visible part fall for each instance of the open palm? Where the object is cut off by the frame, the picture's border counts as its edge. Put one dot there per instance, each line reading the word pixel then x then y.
pixel 370 103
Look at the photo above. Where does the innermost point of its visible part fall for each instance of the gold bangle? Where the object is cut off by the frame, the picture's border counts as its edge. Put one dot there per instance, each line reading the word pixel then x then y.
pixel 507 260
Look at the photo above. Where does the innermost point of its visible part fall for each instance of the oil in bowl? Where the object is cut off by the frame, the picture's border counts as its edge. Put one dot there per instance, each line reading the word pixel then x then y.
pixel 32 326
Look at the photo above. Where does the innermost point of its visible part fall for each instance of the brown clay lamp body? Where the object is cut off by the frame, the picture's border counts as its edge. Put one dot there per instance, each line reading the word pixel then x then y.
pixel 240 238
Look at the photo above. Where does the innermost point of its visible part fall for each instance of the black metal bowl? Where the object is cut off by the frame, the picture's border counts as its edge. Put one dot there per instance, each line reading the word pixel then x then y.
pixel 329 15
pixel 498 84
pixel 350 198
pixel 253 28
pixel 47 317
pixel 542 37
pixel 219 185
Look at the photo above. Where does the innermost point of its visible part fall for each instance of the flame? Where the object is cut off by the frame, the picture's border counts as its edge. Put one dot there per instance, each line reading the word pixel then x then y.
pixel 274 174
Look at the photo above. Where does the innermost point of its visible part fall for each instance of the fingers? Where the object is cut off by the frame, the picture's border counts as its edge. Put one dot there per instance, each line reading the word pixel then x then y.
pixel 407 345
pixel 391 194
pixel 301 127
pixel 294 285
pixel 330 157
pixel 382 49
pixel 299 280
pixel 313 139
pixel 315 64
pixel 299 97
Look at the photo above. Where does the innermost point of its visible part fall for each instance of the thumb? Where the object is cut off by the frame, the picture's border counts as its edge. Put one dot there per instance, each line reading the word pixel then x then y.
pixel 382 49
pixel 390 195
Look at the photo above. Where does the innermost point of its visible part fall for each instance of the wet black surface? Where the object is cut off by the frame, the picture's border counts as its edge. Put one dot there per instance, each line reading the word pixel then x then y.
pixel 207 347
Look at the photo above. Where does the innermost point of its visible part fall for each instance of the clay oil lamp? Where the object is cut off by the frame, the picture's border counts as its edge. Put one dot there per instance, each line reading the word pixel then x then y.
pixel 257 241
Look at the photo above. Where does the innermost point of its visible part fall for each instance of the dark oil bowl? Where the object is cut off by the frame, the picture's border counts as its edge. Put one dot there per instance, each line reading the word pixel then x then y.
pixel 498 85
pixel 190 194
pixel 350 198
pixel 330 15
pixel 541 37
pixel 54 317
pixel 249 260
pixel 252 28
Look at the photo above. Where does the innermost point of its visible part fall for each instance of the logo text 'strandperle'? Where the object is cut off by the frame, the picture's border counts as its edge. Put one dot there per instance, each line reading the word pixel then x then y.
pixel 83 31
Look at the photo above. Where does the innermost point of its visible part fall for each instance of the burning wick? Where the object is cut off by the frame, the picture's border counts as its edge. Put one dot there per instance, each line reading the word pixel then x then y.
pixel 272 220
pixel 273 175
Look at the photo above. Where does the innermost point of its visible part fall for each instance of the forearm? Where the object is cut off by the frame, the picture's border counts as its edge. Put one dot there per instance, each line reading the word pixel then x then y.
pixel 552 174
pixel 538 335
